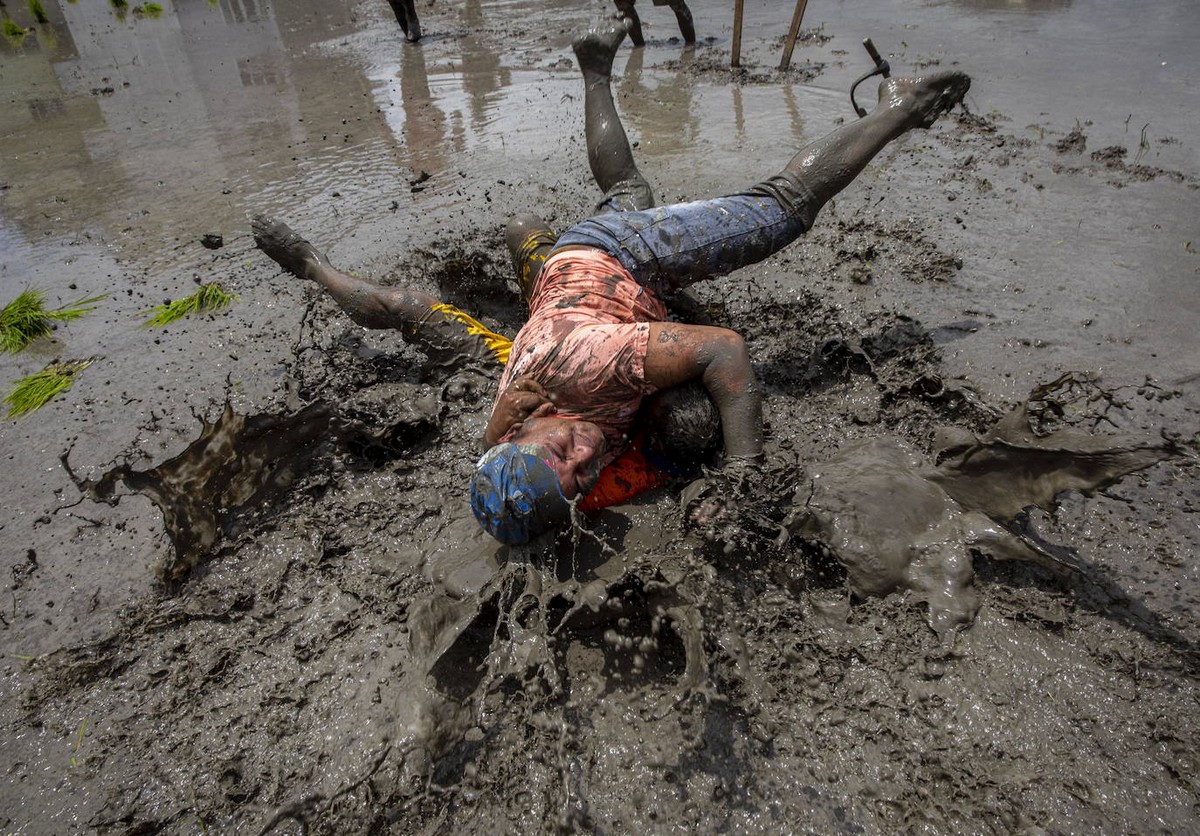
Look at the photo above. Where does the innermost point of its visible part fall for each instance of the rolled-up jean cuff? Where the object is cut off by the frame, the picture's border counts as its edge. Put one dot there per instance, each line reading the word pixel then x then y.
pixel 796 198
pixel 631 195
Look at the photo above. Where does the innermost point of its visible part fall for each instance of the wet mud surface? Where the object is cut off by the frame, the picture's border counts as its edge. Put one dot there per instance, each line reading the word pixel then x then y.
pixel 246 594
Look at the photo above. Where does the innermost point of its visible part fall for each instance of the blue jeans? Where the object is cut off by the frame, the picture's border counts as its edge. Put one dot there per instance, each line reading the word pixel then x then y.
pixel 667 248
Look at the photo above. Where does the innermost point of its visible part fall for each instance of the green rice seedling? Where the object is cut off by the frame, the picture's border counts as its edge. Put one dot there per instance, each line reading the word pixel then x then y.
pixel 210 297
pixel 33 392
pixel 152 10
pixel 79 742
pixel 39 14
pixel 26 318
pixel 14 33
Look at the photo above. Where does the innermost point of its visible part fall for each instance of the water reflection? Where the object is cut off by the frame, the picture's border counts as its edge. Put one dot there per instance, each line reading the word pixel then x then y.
pixel 661 113
pixel 424 123
pixel 440 104
pixel 483 73
pixel 138 127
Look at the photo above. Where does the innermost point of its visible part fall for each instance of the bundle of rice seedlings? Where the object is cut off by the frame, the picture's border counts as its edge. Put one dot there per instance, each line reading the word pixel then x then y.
pixel 26 318
pixel 38 12
pixel 33 392
pixel 14 33
pixel 210 297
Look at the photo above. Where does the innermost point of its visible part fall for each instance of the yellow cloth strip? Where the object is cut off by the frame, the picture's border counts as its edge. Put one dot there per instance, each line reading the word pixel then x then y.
pixel 499 345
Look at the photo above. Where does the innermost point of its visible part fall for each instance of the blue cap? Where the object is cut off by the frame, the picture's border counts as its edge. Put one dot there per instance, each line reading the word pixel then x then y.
pixel 515 493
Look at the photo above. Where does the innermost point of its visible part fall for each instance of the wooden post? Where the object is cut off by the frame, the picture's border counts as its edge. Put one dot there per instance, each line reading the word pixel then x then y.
pixel 735 59
pixel 793 33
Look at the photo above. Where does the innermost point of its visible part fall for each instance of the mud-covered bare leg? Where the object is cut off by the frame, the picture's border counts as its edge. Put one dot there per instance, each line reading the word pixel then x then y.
pixel 828 165
pixel 448 336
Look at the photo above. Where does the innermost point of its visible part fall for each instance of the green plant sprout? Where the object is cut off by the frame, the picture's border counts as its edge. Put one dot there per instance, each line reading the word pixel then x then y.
pixel 78 742
pixel 15 34
pixel 210 297
pixel 39 14
pixel 150 10
pixel 26 318
pixel 33 392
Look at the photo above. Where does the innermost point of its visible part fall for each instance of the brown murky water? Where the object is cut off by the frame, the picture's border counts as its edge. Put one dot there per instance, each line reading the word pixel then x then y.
pixel 343 650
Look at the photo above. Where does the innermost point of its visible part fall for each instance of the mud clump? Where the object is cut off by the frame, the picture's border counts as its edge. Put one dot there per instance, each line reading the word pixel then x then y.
pixel 1112 156
pixel 1075 142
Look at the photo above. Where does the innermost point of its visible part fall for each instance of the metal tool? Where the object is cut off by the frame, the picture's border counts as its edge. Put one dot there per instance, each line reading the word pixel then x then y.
pixel 882 67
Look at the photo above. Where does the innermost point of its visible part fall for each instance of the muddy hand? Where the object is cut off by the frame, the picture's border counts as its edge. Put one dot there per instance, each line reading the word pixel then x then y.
pixel 712 514
pixel 524 399
pixel 710 504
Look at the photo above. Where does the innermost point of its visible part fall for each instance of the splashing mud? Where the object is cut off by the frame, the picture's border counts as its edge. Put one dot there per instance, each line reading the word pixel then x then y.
pixel 240 465
pixel 624 603
pixel 896 523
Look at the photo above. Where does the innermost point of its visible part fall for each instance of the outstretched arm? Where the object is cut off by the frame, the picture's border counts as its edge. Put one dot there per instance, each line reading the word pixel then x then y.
pixel 678 353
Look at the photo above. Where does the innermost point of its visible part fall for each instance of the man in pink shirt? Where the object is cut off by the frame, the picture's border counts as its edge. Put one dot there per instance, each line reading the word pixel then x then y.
pixel 597 342
pixel 684 422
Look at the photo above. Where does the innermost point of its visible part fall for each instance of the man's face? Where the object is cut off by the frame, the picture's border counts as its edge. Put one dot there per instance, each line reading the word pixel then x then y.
pixel 574 449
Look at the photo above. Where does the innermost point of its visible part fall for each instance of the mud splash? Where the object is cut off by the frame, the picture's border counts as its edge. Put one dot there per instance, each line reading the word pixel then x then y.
pixel 241 465
pixel 898 522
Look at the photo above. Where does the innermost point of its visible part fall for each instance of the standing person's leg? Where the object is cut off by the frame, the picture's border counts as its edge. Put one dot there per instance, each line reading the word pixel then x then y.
pixel 406 16
pixel 629 14
pixel 683 15
pixel 449 337
pixel 610 156
pixel 670 247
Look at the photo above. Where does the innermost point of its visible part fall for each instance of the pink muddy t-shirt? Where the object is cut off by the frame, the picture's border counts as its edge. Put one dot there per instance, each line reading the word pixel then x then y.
pixel 585 341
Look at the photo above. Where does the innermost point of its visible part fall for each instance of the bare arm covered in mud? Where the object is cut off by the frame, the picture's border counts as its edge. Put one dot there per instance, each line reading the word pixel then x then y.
pixel 678 353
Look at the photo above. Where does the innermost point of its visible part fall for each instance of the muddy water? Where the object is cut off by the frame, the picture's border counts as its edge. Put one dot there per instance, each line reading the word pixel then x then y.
pixel 350 652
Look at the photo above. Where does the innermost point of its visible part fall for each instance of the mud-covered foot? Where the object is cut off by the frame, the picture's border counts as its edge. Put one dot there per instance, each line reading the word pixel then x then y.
pixel 629 16
pixel 683 15
pixel 413 31
pixel 284 246
pixel 924 98
pixel 597 47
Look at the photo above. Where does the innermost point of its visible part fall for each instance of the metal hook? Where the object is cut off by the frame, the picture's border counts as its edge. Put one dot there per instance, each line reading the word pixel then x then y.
pixel 882 67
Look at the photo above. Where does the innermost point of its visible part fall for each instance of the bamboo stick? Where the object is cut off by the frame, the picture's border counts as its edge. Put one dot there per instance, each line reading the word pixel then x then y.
pixel 735 59
pixel 793 33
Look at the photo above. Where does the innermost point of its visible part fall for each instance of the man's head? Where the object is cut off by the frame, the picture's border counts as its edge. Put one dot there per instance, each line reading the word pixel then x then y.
pixel 523 486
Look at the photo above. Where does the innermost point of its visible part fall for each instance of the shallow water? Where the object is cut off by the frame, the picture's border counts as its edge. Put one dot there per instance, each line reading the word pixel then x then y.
pixel 276 673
